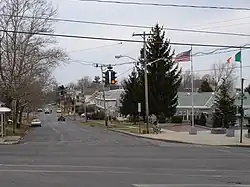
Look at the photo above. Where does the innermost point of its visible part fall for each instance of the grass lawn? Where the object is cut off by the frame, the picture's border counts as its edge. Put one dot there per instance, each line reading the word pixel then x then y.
pixel 23 128
pixel 93 124
pixel 18 132
pixel 125 126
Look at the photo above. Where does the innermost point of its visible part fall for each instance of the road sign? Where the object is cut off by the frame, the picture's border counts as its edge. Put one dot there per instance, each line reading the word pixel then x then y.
pixel 139 107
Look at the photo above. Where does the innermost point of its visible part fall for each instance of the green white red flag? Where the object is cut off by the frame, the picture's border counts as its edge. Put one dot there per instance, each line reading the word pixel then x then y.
pixel 235 58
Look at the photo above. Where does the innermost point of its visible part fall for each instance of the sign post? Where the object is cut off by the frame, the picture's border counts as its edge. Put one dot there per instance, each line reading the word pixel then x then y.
pixel 139 112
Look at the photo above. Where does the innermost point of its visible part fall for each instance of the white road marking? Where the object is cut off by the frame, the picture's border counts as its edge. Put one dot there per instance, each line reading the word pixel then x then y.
pixel 190 185
pixel 234 153
pixel 224 151
pixel 209 170
pixel 112 172
pixel 61 166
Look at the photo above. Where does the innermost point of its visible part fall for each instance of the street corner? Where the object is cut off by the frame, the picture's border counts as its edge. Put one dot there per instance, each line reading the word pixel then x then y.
pixel 143 136
pixel 10 140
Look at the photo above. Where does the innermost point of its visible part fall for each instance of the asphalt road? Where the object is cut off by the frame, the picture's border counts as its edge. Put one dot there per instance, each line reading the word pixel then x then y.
pixel 67 154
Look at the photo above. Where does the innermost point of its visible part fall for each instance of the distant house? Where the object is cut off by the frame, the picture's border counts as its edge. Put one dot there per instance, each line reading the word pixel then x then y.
pixel 203 102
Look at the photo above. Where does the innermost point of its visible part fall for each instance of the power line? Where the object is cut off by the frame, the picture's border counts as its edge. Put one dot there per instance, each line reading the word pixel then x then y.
pixel 133 26
pixel 167 5
pixel 125 72
pixel 216 22
pixel 121 39
pixel 98 47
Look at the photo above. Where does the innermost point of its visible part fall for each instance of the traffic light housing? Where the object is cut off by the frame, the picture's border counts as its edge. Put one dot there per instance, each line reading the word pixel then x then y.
pixel 61 90
pixel 106 78
pixel 113 77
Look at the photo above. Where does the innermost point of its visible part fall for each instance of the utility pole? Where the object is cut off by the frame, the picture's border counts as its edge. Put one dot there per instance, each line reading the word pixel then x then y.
pixel 74 103
pixel 103 93
pixel 145 76
pixel 84 102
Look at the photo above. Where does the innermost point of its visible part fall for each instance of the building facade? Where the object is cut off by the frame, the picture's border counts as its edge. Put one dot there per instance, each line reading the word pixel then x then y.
pixel 203 103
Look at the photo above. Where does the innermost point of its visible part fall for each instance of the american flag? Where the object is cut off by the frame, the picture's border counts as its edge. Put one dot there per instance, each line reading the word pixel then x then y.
pixel 183 57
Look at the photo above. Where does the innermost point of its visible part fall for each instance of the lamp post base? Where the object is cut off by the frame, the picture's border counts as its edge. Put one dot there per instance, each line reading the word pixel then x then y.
pixel 193 131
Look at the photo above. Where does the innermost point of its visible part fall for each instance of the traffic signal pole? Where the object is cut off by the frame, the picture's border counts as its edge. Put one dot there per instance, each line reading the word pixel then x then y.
pixel 104 99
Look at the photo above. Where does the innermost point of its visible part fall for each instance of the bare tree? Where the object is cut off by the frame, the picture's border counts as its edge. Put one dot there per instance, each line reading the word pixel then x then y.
pixel 26 58
pixel 187 81
pixel 84 82
pixel 220 71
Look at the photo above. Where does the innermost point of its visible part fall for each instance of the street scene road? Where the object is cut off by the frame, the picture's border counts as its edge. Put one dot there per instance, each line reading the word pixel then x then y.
pixel 69 154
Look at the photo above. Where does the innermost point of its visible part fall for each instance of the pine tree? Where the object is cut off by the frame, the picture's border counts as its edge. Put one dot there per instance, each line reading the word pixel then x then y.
pixel 205 87
pixel 247 89
pixel 225 109
pixel 133 94
pixel 164 76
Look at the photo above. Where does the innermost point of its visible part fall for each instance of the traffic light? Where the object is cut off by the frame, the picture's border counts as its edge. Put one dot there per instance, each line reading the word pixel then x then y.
pixel 61 90
pixel 106 77
pixel 113 77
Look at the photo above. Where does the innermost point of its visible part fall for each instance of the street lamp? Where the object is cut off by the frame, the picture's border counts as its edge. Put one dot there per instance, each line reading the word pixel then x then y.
pixel 145 82
pixel 125 56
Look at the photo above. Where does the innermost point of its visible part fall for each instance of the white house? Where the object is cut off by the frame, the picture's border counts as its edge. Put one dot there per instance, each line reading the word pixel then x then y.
pixel 203 102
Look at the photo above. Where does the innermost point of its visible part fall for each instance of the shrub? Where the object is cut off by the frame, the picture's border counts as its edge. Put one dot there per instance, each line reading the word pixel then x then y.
pixel 176 119
pixel 161 118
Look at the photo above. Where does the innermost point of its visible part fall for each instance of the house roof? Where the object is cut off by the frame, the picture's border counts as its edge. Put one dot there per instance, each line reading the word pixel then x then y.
pixel 111 94
pixel 200 99
pixel 184 98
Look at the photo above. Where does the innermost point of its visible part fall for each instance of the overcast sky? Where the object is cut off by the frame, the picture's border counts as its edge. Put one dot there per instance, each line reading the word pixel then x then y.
pixel 81 50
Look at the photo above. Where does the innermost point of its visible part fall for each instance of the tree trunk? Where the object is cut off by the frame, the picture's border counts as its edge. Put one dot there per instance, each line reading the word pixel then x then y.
pixel 20 117
pixel 15 116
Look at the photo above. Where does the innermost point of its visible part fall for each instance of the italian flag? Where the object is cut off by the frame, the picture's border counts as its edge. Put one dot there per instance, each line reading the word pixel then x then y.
pixel 237 58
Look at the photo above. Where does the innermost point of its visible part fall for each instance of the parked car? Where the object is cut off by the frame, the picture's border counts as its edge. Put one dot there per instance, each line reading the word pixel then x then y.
pixel 59 110
pixel 39 110
pixel 36 123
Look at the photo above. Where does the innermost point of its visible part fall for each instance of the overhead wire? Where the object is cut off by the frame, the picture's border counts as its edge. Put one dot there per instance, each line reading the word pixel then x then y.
pixel 134 26
pixel 122 40
pixel 93 48
pixel 168 5
pixel 216 22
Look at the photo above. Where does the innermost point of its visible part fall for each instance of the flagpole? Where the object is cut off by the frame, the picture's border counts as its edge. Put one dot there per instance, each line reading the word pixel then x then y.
pixel 241 100
pixel 241 74
pixel 192 131
pixel 192 86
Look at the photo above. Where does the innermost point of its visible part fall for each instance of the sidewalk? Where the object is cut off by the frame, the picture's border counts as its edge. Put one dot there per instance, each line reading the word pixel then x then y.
pixel 202 138
pixel 9 140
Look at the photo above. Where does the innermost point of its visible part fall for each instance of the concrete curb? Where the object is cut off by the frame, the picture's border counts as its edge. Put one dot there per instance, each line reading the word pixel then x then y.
pixel 246 146
pixel 150 138
pixel 10 142
pixel 174 141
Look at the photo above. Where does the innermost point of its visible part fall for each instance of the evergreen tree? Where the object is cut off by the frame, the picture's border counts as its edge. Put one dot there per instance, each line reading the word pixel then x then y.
pixel 164 76
pixel 205 86
pixel 247 89
pixel 133 94
pixel 225 109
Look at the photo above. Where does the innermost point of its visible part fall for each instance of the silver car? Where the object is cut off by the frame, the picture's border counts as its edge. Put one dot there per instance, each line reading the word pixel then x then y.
pixel 36 123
